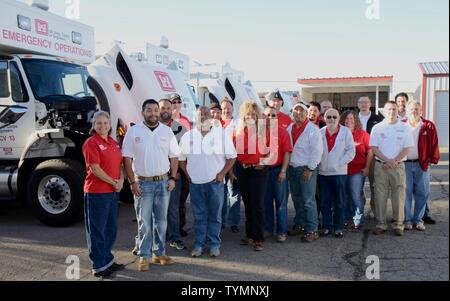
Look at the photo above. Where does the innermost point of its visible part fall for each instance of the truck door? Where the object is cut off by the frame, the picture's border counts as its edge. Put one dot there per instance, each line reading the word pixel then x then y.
pixel 16 111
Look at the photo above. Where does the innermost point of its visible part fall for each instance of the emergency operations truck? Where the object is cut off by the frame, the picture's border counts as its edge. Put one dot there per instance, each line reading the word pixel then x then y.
pixel 45 109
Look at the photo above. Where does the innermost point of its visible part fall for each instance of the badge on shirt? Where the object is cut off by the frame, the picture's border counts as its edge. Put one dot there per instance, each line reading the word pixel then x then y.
pixel 138 140
pixel 102 147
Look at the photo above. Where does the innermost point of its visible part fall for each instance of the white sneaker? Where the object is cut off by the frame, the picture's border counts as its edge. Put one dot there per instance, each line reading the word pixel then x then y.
pixel 408 226
pixel 420 227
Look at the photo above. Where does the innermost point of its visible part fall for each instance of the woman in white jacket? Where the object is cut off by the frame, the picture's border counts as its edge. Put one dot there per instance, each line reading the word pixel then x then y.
pixel 338 152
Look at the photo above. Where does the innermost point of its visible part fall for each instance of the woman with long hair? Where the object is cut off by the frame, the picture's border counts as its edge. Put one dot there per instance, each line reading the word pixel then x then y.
pixel 249 139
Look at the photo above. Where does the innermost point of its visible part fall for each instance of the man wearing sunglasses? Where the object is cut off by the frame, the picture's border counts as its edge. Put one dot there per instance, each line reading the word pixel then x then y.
pixel 338 151
pixel 177 103
pixel 277 191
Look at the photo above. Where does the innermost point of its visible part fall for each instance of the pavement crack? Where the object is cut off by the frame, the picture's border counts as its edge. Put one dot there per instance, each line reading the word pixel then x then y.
pixel 444 189
pixel 359 263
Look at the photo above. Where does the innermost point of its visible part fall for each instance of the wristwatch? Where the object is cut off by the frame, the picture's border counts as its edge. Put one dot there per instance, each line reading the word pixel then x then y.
pixel 173 178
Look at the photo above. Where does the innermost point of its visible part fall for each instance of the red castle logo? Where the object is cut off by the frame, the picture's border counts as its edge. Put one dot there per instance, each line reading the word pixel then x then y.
pixel 41 27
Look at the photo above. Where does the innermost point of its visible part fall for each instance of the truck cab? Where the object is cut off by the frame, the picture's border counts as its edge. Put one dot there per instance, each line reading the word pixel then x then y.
pixel 46 109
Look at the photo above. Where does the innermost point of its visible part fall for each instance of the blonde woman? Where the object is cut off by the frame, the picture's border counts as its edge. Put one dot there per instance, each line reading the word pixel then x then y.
pixel 251 173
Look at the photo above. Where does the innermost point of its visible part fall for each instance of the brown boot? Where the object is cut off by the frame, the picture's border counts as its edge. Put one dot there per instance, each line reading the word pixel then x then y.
pixel 143 265
pixel 162 260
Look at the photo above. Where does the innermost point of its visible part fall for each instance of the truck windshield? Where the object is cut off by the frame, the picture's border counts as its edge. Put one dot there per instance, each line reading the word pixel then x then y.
pixel 52 78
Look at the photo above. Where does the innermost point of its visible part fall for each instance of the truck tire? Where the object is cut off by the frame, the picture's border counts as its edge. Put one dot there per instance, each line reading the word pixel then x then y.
pixel 56 192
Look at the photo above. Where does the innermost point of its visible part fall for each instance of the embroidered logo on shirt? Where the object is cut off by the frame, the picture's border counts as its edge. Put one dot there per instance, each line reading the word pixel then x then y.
pixel 102 147
pixel 138 140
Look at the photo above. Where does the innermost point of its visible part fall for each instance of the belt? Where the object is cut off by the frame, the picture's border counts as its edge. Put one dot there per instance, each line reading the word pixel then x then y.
pixel 413 161
pixel 275 167
pixel 153 179
pixel 247 166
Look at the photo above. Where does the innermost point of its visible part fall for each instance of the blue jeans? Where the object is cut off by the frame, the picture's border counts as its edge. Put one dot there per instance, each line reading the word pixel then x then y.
pixel 173 215
pixel 332 194
pixel 231 211
pixel 304 198
pixel 278 192
pixel 207 202
pixel 417 187
pixel 151 211
pixel 355 201
pixel 100 212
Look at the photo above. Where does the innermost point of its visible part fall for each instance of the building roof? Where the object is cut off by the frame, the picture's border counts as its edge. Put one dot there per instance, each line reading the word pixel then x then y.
pixel 335 80
pixel 434 68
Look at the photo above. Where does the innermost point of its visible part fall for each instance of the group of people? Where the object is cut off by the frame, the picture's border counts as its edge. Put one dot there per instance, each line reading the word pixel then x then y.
pixel 318 156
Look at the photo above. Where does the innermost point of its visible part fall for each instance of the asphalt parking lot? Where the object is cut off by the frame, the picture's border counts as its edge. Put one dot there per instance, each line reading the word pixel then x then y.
pixel 30 251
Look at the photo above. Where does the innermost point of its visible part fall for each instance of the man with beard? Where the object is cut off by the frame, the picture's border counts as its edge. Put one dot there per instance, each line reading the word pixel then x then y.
pixel 150 151
pixel 173 216
pixel 402 100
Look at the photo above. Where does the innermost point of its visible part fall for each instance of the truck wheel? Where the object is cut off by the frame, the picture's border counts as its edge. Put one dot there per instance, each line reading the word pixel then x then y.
pixel 56 192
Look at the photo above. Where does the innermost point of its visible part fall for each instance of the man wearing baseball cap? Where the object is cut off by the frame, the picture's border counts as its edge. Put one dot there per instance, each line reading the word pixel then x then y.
pixel 177 101
pixel 277 103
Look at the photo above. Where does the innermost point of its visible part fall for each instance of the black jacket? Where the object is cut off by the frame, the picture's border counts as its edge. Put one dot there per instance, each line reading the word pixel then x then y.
pixel 373 121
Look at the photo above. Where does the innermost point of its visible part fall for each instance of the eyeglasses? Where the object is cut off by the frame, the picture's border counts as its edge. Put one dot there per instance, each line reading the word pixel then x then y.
pixel 332 117
pixel 177 102
pixel 271 115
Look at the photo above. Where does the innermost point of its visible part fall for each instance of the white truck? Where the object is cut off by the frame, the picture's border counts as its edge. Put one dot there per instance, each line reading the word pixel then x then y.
pixel 48 98
pixel 228 83
pixel 45 109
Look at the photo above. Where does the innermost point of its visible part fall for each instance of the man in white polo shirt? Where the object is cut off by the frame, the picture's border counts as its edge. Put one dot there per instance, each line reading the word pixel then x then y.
pixel 303 171
pixel 150 151
pixel 208 155
pixel 391 142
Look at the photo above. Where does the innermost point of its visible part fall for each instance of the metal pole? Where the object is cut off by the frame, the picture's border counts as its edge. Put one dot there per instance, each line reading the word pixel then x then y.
pixel 378 101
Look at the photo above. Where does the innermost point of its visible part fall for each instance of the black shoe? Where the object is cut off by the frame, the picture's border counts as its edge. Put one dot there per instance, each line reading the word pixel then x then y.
pixel 183 233
pixel 106 274
pixel 116 267
pixel 339 235
pixel 235 229
pixel 324 233
pixel 429 221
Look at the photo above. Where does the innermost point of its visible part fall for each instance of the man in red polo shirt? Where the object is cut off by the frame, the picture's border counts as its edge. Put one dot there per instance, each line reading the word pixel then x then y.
pixel 280 149
pixel 177 116
pixel 277 102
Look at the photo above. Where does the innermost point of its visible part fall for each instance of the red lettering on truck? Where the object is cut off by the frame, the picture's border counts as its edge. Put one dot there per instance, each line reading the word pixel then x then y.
pixel 26 39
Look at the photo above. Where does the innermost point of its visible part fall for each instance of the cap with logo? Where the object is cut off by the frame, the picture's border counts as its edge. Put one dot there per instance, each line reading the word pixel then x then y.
pixel 174 96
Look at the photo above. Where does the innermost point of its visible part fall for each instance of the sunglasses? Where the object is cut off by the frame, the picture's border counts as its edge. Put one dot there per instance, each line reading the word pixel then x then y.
pixel 177 102
pixel 332 117
pixel 271 115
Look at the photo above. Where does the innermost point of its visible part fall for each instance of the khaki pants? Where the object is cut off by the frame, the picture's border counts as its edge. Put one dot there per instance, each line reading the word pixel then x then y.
pixel 372 185
pixel 393 181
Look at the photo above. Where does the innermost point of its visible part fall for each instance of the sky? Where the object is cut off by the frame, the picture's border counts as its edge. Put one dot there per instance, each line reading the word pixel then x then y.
pixel 277 42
